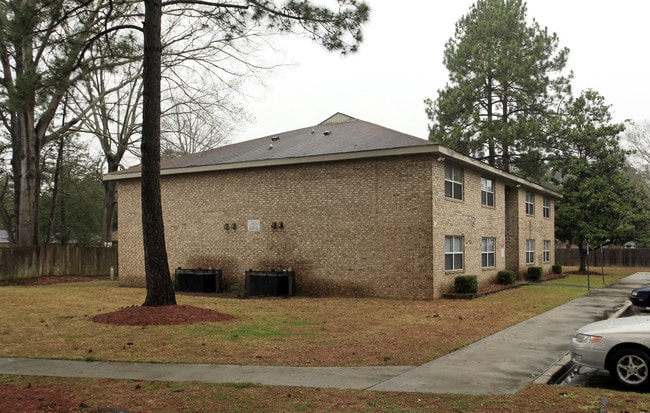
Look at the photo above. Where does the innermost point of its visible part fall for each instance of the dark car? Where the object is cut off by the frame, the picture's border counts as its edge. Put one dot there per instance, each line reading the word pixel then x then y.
pixel 640 297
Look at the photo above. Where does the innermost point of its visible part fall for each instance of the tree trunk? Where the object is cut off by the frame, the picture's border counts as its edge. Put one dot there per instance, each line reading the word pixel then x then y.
pixel 108 212
pixel 26 180
pixel 5 216
pixel 505 156
pixel 490 128
pixel 160 290
pixel 55 191
pixel 110 195
pixel 583 257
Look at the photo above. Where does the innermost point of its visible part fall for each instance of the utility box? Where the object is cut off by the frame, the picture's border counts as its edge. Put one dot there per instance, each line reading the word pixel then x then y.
pixel 198 280
pixel 270 283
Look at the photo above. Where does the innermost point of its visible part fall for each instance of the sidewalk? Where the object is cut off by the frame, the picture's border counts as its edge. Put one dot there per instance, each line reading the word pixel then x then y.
pixel 501 363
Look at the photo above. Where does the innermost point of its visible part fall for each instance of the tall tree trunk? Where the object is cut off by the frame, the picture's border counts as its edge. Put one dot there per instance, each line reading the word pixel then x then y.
pixel 506 139
pixel 55 191
pixel 108 211
pixel 583 257
pixel 492 156
pixel 26 181
pixel 110 195
pixel 160 290
pixel 26 149
pixel 5 216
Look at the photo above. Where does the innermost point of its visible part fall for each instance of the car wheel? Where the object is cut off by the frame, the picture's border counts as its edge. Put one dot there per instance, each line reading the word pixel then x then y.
pixel 630 367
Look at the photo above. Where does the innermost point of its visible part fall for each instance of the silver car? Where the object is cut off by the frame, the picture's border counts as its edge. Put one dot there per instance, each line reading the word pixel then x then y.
pixel 618 345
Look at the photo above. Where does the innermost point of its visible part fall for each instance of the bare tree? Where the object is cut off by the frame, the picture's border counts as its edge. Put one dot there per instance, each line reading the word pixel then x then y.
pixel 109 106
pixel 637 137
pixel 199 124
pixel 202 70
pixel 43 50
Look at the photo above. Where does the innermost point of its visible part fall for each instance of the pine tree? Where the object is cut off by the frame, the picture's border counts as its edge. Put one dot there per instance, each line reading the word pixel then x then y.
pixel 504 80
pixel 599 204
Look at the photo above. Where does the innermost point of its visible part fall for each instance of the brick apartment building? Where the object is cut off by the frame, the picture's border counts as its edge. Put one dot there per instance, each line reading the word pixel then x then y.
pixel 353 208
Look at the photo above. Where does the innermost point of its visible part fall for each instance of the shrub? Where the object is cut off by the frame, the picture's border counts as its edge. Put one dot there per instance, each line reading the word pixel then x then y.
pixel 534 273
pixel 466 284
pixel 237 290
pixel 506 277
pixel 557 269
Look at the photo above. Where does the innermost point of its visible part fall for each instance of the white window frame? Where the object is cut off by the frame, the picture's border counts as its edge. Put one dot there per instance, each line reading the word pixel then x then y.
pixel 546 207
pixel 488 252
pixel 530 203
pixel 453 182
pixel 487 192
pixel 454 249
pixel 547 250
pixel 530 251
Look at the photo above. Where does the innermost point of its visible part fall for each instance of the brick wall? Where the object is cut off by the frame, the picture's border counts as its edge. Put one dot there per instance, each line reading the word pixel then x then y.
pixel 372 227
pixel 357 228
pixel 469 219
pixel 522 227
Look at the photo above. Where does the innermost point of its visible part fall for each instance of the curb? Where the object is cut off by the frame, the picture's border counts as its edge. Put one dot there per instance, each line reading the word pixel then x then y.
pixel 564 364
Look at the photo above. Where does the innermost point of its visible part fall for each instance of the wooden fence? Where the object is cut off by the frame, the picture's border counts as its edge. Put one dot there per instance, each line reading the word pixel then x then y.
pixel 609 257
pixel 56 260
pixel 59 260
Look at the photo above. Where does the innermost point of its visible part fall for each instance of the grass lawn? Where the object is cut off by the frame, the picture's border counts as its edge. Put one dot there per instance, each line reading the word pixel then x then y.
pixel 55 321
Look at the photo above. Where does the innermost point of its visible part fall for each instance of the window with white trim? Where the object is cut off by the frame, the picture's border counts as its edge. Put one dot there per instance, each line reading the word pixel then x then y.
pixel 488 253
pixel 546 207
pixel 530 203
pixel 453 182
pixel 547 250
pixel 453 252
pixel 530 251
pixel 487 192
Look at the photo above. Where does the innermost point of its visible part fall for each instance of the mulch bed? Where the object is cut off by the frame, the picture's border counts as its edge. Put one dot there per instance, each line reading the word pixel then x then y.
pixel 487 290
pixel 161 315
pixel 135 315
pixel 496 288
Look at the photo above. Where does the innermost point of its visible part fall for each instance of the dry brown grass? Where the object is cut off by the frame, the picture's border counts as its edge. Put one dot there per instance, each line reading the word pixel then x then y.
pixel 34 394
pixel 54 321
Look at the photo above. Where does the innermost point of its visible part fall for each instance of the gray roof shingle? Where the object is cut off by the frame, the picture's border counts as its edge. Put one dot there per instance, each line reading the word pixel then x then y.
pixel 336 135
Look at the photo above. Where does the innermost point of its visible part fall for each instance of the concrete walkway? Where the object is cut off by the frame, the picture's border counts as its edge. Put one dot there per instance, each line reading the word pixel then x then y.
pixel 501 363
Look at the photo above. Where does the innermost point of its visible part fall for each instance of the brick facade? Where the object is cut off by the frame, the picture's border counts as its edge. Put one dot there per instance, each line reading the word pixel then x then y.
pixel 364 227
pixel 522 226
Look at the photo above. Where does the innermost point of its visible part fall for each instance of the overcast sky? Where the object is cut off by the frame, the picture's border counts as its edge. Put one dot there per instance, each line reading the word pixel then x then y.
pixel 400 64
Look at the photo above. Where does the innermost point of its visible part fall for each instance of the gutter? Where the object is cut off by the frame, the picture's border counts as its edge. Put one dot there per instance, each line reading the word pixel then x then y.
pixel 443 153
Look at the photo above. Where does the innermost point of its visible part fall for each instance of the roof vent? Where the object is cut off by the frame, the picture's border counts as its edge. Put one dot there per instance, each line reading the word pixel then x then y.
pixel 277 138
pixel 327 133
pixel 270 146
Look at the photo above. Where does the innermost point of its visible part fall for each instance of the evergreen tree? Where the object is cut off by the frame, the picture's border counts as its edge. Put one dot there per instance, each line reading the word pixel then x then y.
pixel 600 204
pixel 504 81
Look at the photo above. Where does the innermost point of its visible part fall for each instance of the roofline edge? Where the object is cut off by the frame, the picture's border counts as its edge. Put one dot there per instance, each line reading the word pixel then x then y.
pixel 442 151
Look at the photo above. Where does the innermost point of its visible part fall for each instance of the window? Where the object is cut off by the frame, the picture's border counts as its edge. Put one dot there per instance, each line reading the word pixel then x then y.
pixel 453 252
pixel 487 252
pixel 546 207
pixel 453 182
pixel 487 192
pixel 530 251
pixel 530 203
pixel 547 250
